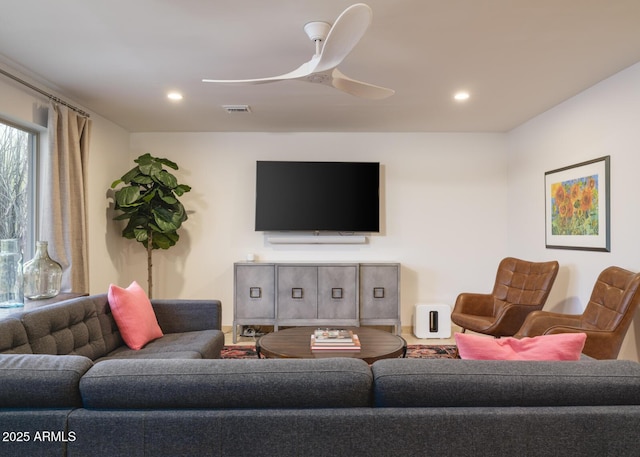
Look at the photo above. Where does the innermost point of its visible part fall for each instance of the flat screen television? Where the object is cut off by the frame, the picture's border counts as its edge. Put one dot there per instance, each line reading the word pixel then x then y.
pixel 317 196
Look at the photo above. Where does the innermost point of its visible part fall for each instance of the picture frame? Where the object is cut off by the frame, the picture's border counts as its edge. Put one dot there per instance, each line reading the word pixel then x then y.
pixel 577 206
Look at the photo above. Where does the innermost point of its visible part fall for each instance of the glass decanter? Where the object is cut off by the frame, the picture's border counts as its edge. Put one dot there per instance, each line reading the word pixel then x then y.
pixel 42 274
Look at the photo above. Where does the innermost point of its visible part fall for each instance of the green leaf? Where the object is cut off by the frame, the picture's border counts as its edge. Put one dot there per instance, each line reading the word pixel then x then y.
pixel 130 175
pixel 150 169
pixel 115 183
pixel 169 199
pixel 163 241
pixel 144 159
pixel 141 235
pixel 142 179
pixel 181 189
pixel 148 165
pixel 167 179
pixel 168 163
pixel 127 195
pixel 165 219
pixel 149 195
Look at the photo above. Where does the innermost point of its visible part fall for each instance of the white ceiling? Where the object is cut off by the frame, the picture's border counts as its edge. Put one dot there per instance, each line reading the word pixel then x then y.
pixel 518 58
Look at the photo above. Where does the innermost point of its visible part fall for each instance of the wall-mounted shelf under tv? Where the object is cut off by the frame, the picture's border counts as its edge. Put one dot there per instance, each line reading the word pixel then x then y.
pixel 315 239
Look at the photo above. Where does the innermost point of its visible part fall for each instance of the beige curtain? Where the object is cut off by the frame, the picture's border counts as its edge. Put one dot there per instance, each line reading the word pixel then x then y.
pixel 63 213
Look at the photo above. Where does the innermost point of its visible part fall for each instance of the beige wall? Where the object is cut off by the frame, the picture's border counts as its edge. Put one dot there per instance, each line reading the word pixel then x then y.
pixel 108 160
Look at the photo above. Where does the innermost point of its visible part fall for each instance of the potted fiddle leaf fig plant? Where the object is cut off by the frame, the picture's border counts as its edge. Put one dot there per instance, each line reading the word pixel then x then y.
pixel 148 200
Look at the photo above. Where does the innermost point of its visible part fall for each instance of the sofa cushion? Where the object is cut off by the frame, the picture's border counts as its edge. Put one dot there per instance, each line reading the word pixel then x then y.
pixel 561 346
pixel 134 315
pixel 439 383
pixel 248 383
pixel 205 344
pixel 67 328
pixel 41 381
pixel 13 337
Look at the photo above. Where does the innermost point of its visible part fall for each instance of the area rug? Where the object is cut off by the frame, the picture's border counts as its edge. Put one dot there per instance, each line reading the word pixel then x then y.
pixel 423 351
pixel 414 351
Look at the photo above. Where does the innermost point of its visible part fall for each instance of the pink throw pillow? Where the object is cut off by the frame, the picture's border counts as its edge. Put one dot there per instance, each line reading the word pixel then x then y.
pixel 134 315
pixel 561 346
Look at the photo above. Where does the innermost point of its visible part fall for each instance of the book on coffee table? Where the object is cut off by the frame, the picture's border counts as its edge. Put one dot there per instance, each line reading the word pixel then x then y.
pixel 333 334
pixel 352 344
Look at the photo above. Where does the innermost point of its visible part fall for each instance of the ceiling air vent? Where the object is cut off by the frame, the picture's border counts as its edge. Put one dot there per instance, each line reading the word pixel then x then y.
pixel 237 108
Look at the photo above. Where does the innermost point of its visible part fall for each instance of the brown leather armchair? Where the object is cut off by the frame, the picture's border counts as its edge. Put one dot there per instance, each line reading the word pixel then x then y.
pixel 605 320
pixel 520 288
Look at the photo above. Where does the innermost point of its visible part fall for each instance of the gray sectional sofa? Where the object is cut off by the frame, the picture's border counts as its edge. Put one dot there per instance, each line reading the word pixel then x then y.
pixel 318 407
pixel 85 326
pixel 70 405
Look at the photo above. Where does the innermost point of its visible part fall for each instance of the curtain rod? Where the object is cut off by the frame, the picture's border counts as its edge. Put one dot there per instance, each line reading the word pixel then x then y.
pixel 46 94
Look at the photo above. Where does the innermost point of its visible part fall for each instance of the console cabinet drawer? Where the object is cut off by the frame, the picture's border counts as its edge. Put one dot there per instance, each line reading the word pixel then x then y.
pixel 255 292
pixel 337 292
pixel 297 292
pixel 379 293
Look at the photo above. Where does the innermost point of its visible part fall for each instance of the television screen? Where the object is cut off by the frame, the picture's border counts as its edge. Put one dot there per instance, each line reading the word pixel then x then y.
pixel 318 196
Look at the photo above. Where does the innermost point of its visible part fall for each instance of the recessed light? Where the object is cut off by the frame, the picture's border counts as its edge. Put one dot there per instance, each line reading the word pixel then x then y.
pixel 461 96
pixel 174 96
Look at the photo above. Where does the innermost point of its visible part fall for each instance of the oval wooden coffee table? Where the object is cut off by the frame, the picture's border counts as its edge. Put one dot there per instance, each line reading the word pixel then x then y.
pixel 296 343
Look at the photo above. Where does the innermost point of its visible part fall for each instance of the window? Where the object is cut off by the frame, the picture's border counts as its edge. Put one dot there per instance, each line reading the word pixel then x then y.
pixel 18 185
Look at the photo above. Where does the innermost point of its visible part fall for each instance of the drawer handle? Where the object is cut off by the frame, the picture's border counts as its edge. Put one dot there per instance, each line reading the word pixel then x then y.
pixel 378 292
pixel 297 293
pixel 336 292
pixel 255 292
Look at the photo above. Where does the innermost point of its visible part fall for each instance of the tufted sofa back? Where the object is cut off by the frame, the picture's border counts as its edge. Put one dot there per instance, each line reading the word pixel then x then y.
pixel 13 337
pixel 108 326
pixel 83 326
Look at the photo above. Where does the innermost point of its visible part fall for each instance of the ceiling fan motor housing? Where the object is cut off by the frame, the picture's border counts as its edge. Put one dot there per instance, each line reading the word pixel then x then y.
pixel 317 31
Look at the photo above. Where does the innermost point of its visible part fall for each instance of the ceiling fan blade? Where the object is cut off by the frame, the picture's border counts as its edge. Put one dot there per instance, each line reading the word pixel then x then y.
pixel 359 88
pixel 302 71
pixel 345 34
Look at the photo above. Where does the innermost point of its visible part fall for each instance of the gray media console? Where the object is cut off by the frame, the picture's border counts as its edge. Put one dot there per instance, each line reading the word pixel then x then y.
pixel 316 294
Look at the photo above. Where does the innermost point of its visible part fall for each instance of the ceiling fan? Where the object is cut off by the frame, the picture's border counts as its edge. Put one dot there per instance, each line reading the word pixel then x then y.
pixel 333 44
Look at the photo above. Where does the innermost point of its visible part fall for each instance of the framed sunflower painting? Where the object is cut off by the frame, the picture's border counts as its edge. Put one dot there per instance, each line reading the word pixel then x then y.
pixel 577 206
